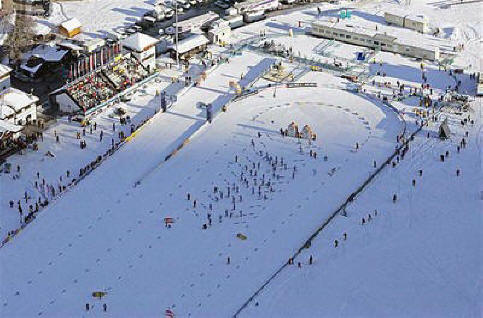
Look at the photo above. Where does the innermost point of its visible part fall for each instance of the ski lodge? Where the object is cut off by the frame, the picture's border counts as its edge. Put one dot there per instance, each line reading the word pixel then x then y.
pixel 378 37
pixel 70 28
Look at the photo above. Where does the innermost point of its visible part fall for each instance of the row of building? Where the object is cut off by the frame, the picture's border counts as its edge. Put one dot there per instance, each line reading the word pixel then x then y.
pixel 381 37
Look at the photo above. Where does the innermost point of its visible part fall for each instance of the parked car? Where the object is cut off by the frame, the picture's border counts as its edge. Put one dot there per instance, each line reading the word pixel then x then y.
pixel 168 14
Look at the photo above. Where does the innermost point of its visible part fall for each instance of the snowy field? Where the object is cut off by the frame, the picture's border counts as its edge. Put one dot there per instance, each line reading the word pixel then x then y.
pixel 96 16
pixel 111 219
pixel 238 177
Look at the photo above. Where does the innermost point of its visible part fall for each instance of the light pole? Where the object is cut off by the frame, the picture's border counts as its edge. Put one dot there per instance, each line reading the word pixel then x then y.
pixel 176 33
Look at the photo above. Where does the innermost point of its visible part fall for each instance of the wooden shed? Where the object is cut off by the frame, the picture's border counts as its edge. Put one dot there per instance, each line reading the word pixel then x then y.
pixel 70 28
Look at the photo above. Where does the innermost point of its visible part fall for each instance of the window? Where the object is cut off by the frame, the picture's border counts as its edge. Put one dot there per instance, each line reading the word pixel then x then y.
pixel 348 36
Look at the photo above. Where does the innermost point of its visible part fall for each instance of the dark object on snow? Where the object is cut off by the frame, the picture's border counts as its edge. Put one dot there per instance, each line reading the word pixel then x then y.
pixel 444 132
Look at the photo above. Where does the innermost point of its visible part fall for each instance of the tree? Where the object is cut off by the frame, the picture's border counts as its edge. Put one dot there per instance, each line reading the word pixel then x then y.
pixel 22 34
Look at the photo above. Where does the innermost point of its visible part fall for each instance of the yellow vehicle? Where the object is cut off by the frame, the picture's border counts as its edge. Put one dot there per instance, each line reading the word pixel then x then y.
pixel 315 68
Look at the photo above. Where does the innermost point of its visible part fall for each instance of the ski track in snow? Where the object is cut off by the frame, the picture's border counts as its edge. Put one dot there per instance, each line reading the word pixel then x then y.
pixel 106 235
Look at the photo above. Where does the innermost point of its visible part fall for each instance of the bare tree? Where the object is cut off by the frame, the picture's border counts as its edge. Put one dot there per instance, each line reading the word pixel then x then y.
pixel 22 35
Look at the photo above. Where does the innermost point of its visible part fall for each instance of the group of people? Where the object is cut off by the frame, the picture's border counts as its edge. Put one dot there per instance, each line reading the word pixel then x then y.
pixel 252 176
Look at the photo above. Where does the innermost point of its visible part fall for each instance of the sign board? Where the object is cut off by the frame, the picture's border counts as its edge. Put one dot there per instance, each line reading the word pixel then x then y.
pixel 294 85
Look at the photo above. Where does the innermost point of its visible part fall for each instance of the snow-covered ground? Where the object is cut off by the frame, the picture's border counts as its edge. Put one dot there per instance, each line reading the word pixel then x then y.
pixel 419 256
pixel 111 219
pixel 96 16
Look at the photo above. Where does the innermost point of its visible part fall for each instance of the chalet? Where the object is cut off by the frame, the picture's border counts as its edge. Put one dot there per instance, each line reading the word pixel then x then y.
pixel 18 107
pixel 142 47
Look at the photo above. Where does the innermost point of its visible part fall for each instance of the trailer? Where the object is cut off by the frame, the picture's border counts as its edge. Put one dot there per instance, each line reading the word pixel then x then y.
pixel 235 21
pixel 254 16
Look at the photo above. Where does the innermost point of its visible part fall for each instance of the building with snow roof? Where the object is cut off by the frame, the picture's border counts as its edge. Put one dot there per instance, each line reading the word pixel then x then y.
pixel 220 32
pixel 9 131
pixel 256 5
pixel 379 37
pixel 4 76
pixel 42 59
pixel 18 107
pixel 142 47
pixel 198 22
pixel 189 46
pixel 70 28
pixel 417 22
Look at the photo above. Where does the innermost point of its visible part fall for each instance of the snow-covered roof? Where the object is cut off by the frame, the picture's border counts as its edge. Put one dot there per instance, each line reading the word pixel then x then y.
pixel 5 111
pixel 256 5
pixel 71 24
pixel 31 69
pixel 233 18
pixel 139 42
pixel 6 126
pixel 49 52
pixel 190 43
pixel 402 36
pixel 71 45
pixel 220 23
pixel 4 70
pixel 16 99
pixel 198 21
pixel 94 42
pixel 397 11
